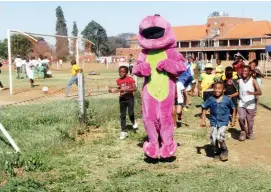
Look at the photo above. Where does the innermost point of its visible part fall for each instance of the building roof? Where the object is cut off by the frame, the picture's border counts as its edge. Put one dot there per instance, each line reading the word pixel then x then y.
pixel 242 28
pixel 251 29
pixel 185 33
pixel 190 33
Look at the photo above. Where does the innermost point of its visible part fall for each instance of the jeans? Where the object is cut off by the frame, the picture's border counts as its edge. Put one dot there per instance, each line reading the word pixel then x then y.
pixel 124 104
pixel 73 80
pixel 246 115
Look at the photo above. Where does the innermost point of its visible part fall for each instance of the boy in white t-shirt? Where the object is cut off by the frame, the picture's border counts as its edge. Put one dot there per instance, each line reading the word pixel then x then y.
pixel 18 65
pixel 248 90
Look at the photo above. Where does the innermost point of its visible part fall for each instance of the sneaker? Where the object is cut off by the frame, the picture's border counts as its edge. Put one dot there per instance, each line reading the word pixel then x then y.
pixel 135 126
pixel 185 109
pixel 216 156
pixel 123 135
pixel 242 136
pixel 2 89
pixel 224 155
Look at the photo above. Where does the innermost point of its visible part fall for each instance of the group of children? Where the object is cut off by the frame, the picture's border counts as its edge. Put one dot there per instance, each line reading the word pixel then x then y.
pixel 225 94
pixel 225 91
pixel 40 66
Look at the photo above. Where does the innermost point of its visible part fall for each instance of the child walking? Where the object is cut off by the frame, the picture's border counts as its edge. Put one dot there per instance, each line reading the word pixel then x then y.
pixel 75 70
pixel 231 90
pixel 220 106
pixel 29 66
pixel 206 80
pixel 256 72
pixel 248 89
pixel 126 87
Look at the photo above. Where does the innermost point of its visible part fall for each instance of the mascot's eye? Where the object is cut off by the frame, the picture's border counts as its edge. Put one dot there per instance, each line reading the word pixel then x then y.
pixel 153 32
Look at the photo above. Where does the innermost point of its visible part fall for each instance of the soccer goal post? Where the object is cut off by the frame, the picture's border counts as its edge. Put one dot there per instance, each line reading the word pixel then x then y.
pixel 9 138
pixel 50 46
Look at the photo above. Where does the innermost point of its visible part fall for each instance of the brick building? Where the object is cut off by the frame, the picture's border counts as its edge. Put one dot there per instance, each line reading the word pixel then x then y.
pixel 221 37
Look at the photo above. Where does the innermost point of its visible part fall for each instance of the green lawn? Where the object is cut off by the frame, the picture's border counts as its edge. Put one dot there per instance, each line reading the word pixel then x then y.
pixel 60 155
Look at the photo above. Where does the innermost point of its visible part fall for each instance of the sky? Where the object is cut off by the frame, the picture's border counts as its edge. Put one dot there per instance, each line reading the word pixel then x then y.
pixel 118 17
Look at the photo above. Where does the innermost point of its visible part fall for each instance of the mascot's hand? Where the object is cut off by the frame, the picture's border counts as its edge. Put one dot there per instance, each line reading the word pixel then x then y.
pixel 142 69
pixel 161 65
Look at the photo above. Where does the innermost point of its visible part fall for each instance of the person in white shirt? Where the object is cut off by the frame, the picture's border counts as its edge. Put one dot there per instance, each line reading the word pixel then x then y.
pixel 248 90
pixel 30 66
pixel 18 65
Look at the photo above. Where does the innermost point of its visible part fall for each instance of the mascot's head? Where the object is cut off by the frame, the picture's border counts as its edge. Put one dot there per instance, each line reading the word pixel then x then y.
pixel 155 33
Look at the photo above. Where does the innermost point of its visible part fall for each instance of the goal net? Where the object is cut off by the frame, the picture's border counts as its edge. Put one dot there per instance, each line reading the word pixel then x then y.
pixel 50 57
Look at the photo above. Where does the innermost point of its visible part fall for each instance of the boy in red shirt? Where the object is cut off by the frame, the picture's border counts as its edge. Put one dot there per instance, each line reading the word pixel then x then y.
pixel 126 87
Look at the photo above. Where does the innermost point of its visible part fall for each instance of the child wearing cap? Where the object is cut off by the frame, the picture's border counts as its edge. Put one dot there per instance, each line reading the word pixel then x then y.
pixel 206 80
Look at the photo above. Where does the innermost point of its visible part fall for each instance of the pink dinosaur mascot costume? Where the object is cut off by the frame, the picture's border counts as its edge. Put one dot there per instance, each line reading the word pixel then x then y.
pixel 160 63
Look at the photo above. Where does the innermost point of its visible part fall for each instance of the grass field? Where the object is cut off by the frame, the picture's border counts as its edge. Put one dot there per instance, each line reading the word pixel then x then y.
pixel 58 154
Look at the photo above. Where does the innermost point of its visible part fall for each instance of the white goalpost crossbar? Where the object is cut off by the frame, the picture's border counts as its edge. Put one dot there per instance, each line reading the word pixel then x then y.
pixel 28 35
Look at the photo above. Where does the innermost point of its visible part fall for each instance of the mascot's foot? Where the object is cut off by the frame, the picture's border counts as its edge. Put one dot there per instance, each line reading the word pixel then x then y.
pixel 151 150
pixel 167 151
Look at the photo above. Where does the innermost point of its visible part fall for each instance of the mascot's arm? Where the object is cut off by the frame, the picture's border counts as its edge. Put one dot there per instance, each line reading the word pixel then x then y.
pixel 142 68
pixel 174 64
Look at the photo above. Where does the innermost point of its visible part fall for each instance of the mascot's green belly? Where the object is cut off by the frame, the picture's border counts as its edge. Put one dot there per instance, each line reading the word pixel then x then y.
pixel 158 83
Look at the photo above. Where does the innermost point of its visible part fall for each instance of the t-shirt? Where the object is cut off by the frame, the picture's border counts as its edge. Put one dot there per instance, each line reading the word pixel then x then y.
pixel 29 65
pixel 18 62
pixel 219 68
pixel 231 86
pixel 74 69
pixel 126 83
pixel 186 77
pixel 219 111
pixel 206 81
pixel 238 68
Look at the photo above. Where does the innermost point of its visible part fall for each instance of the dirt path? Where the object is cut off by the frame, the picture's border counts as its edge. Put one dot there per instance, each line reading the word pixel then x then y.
pixel 253 152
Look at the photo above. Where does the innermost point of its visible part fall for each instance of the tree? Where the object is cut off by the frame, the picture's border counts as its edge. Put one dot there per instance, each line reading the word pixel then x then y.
pixel 119 41
pixel 75 34
pixel 4 49
pixel 97 34
pixel 74 29
pixel 62 44
pixel 217 13
pixel 20 45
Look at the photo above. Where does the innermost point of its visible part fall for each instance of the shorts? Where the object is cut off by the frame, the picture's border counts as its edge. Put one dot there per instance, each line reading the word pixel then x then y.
pixel 207 94
pixel 235 101
pixel 180 97
pixel 217 134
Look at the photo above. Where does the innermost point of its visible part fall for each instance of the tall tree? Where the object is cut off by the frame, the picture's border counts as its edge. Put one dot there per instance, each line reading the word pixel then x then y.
pixel 20 45
pixel 74 29
pixel 75 34
pixel 97 34
pixel 62 44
